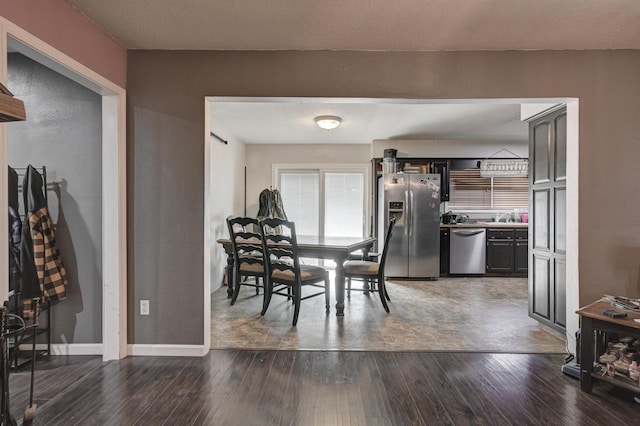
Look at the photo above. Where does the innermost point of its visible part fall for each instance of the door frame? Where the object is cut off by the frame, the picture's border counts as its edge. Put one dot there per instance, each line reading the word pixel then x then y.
pixel 114 234
pixel 528 105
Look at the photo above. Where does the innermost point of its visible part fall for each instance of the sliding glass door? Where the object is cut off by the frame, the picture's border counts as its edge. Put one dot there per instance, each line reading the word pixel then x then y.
pixel 326 201
pixel 344 204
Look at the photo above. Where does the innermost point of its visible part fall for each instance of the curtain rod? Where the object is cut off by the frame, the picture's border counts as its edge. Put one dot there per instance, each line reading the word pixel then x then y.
pixel 219 138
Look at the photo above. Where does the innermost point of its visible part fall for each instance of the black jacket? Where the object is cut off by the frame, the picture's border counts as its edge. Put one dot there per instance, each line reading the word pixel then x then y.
pixel 271 205
pixel 32 187
pixel 15 232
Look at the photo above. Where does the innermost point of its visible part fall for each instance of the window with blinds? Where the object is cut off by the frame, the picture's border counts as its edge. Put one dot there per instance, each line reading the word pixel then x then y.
pixel 469 191
pixel 326 202
pixel 344 204
pixel 300 191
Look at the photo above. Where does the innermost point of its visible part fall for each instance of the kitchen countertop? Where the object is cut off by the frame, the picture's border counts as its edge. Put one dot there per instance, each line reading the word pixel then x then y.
pixel 513 225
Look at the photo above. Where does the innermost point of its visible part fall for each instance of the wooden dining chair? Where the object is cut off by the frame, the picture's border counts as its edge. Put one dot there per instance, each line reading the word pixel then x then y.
pixel 371 272
pixel 248 255
pixel 285 275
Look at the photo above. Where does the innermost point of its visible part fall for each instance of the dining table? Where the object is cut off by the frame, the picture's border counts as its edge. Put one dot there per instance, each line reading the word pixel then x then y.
pixel 337 249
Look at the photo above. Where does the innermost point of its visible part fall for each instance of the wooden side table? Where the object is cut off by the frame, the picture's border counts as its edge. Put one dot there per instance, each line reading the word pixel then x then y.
pixel 592 318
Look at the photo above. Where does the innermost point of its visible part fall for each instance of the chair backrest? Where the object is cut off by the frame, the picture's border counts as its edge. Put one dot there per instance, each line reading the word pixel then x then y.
pixel 246 240
pixel 281 248
pixel 392 222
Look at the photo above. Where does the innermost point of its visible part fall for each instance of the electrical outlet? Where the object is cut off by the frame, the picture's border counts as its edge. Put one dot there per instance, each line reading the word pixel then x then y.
pixel 144 307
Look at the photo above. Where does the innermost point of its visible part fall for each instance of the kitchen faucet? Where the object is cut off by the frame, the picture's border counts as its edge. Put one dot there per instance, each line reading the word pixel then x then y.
pixel 500 216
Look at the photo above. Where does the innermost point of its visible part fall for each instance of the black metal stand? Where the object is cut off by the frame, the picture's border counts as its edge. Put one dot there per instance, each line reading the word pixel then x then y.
pixel 8 332
pixel 6 417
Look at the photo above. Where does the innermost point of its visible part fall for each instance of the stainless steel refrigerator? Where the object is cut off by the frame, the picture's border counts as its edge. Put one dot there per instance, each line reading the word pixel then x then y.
pixel 414 248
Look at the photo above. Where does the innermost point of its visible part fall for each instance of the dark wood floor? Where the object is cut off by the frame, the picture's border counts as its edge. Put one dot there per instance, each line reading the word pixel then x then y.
pixel 279 387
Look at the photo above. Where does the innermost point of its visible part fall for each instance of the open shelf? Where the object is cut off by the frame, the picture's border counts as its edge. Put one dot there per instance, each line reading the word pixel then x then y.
pixel 20 347
pixel 619 379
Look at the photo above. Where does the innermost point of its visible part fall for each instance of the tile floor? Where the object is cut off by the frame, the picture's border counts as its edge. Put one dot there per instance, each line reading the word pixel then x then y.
pixel 450 314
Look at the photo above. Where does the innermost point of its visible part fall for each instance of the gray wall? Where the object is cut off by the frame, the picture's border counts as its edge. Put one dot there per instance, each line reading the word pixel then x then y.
pixel 63 132
pixel 165 127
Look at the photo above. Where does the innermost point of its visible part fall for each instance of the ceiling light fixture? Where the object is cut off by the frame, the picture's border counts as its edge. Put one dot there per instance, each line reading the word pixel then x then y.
pixel 328 122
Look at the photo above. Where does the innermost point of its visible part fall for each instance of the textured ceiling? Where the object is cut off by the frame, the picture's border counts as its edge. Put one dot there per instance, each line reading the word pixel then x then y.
pixel 404 25
pixel 399 25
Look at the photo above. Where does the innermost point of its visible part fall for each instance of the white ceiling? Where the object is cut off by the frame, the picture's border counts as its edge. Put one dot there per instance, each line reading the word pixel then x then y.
pixel 375 25
pixel 291 120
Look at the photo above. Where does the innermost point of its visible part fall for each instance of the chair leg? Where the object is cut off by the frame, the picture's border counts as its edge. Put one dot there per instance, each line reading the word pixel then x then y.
pixel 327 294
pixel 296 301
pixel 349 288
pixel 257 286
pixel 382 291
pixel 268 287
pixel 236 286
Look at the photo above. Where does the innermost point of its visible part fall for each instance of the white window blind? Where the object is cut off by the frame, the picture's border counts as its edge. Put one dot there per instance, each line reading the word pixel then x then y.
pixel 468 190
pixel 327 202
pixel 511 192
pixel 300 192
pixel 344 204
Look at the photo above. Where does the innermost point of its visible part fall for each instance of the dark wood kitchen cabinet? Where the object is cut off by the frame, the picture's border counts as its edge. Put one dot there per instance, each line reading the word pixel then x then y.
pixel 507 251
pixel 425 165
pixel 500 250
pixel 444 251
pixel 521 264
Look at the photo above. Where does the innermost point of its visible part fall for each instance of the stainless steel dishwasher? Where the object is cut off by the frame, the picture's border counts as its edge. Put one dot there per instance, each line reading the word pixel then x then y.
pixel 467 251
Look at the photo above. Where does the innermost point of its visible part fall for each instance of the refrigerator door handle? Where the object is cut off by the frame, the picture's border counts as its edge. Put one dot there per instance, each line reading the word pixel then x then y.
pixel 411 217
pixel 407 213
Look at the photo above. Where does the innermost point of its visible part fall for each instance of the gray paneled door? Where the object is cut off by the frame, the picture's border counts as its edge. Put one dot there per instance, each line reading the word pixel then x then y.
pixel 548 211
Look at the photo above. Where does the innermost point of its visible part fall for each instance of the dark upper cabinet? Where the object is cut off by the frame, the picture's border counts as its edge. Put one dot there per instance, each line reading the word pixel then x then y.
pixel 426 165
pixel 442 167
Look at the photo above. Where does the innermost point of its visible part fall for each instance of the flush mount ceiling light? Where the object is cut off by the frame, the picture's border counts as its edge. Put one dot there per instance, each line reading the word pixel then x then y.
pixel 328 122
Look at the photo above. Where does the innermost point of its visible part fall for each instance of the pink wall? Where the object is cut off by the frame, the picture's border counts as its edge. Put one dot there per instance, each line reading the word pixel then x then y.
pixel 63 27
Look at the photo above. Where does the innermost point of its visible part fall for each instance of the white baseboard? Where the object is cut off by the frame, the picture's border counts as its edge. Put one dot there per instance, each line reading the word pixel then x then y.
pixel 167 350
pixel 67 349
pixel 77 349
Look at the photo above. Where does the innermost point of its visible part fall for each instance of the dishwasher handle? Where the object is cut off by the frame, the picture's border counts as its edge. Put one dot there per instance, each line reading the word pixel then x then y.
pixel 467 232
